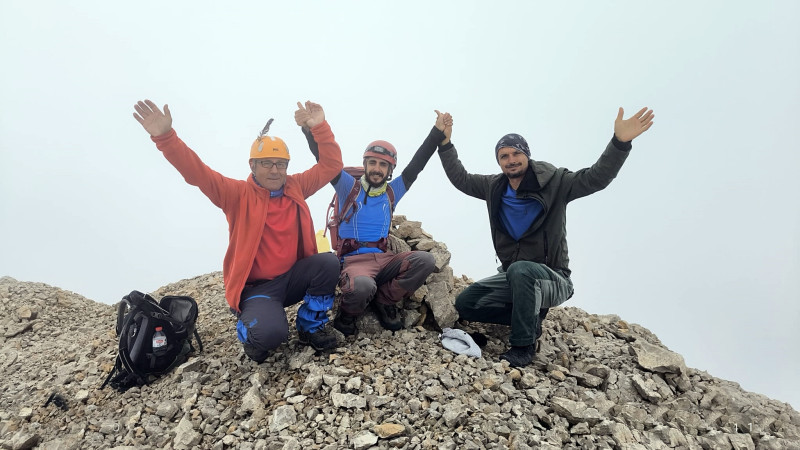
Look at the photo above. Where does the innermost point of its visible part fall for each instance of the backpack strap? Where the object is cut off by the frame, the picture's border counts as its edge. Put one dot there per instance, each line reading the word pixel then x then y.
pixel 390 194
pixel 144 301
pixel 197 338
pixel 347 213
pixel 122 380
pixel 121 310
pixel 349 202
pixel 348 245
pixel 111 374
pixel 334 217
pixel 123 359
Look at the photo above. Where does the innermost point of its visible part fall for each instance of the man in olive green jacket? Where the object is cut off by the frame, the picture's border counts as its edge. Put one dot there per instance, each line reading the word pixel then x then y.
pixel 527 206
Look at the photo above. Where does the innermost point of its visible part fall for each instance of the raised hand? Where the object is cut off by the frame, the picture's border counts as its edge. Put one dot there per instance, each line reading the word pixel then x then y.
pixel 626 130
pixel 444 122
pixel 309 115
pixel 302 115
pixel 152 119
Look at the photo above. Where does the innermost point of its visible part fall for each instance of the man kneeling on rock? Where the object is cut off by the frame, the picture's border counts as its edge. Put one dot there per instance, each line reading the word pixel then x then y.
pixel 371 272
pixel 272 260
pixel 527 206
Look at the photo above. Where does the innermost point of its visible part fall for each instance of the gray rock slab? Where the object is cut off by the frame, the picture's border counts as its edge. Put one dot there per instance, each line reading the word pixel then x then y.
pixel 656 359
pixel 283 417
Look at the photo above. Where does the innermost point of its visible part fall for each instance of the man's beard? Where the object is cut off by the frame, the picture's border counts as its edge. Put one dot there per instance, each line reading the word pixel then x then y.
pixel 516 174
pixel 378 184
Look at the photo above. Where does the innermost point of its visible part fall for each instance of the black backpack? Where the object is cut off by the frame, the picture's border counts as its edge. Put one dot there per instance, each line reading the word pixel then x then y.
pixel 138 316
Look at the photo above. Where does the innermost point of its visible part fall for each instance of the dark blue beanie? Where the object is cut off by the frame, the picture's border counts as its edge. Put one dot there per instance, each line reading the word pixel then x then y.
pixel 512 140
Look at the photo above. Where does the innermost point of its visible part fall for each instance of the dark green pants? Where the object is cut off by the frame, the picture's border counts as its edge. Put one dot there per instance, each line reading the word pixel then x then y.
pixel 515 297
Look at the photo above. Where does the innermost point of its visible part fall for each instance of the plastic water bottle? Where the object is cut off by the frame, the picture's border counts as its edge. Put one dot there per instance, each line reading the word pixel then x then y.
pixel 159 339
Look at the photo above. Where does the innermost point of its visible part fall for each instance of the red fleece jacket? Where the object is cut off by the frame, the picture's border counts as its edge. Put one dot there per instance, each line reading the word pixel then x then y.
pixel 246 204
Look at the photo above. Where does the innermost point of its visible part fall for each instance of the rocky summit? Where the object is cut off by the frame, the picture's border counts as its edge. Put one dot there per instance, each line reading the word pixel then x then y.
pixel 597 382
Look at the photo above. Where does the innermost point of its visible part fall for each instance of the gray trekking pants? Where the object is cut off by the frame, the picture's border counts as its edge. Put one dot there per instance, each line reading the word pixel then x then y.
pixel 515 297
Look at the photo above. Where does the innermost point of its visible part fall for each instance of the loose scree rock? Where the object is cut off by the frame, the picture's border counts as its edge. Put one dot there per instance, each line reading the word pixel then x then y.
pixel 597 382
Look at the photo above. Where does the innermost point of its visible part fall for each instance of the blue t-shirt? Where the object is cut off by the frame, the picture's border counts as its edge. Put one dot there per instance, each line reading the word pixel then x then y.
pixel 370 221
pixel 517 214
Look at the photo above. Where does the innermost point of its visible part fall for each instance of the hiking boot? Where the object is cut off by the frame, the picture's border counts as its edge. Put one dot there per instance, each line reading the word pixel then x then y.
pixel 322 339
pixel 389 316
pixel 345 323
pixel 520 356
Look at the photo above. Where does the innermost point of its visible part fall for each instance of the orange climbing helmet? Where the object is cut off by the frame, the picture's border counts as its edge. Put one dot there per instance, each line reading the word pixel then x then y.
pixel 268 146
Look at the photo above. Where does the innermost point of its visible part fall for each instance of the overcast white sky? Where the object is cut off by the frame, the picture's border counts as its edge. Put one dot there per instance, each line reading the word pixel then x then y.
pixel 698 239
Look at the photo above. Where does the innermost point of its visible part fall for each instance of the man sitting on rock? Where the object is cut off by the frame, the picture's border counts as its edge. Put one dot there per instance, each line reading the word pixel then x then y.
pixel 371 272
pixel 271 261
pixel 527 206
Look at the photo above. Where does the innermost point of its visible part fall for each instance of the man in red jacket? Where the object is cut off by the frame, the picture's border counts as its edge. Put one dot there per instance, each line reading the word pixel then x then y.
pixel 272 260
